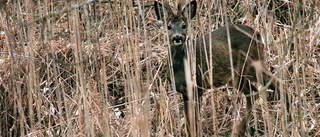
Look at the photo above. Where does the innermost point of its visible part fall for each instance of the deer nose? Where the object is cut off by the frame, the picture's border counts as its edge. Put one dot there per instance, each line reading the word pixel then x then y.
pixel 177 40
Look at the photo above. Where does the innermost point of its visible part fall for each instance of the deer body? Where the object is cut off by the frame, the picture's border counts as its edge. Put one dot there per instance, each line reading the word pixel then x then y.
pixel 244 44
pixel 221 68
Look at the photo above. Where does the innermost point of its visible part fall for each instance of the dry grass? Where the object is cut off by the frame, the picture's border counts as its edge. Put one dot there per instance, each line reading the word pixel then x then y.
pixel 99 69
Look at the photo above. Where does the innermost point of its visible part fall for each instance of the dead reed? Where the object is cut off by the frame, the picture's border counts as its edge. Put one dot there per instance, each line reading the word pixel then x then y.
pixel 98 68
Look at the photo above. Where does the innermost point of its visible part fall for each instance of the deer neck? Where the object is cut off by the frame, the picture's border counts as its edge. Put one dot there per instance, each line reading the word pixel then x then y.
pixel 177 54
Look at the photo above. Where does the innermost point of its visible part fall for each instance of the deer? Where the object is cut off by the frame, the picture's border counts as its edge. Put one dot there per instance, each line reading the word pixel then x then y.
pixel 247 53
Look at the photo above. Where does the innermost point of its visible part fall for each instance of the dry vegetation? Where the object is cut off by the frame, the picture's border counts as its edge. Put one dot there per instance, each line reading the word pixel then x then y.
pixel 71 68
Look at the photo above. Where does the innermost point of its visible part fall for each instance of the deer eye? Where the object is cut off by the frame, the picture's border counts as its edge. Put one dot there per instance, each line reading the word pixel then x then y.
pixel 184 26
pixel 169 27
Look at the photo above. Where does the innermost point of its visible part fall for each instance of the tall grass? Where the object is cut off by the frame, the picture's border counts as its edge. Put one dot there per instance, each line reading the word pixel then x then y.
pixel 98 68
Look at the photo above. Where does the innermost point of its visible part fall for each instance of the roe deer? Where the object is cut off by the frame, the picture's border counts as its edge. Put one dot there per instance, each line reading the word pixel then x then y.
pixel 246 50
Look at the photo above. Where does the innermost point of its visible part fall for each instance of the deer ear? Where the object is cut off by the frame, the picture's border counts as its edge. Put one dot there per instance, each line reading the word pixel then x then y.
pixel 190 10
pixel 161 10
